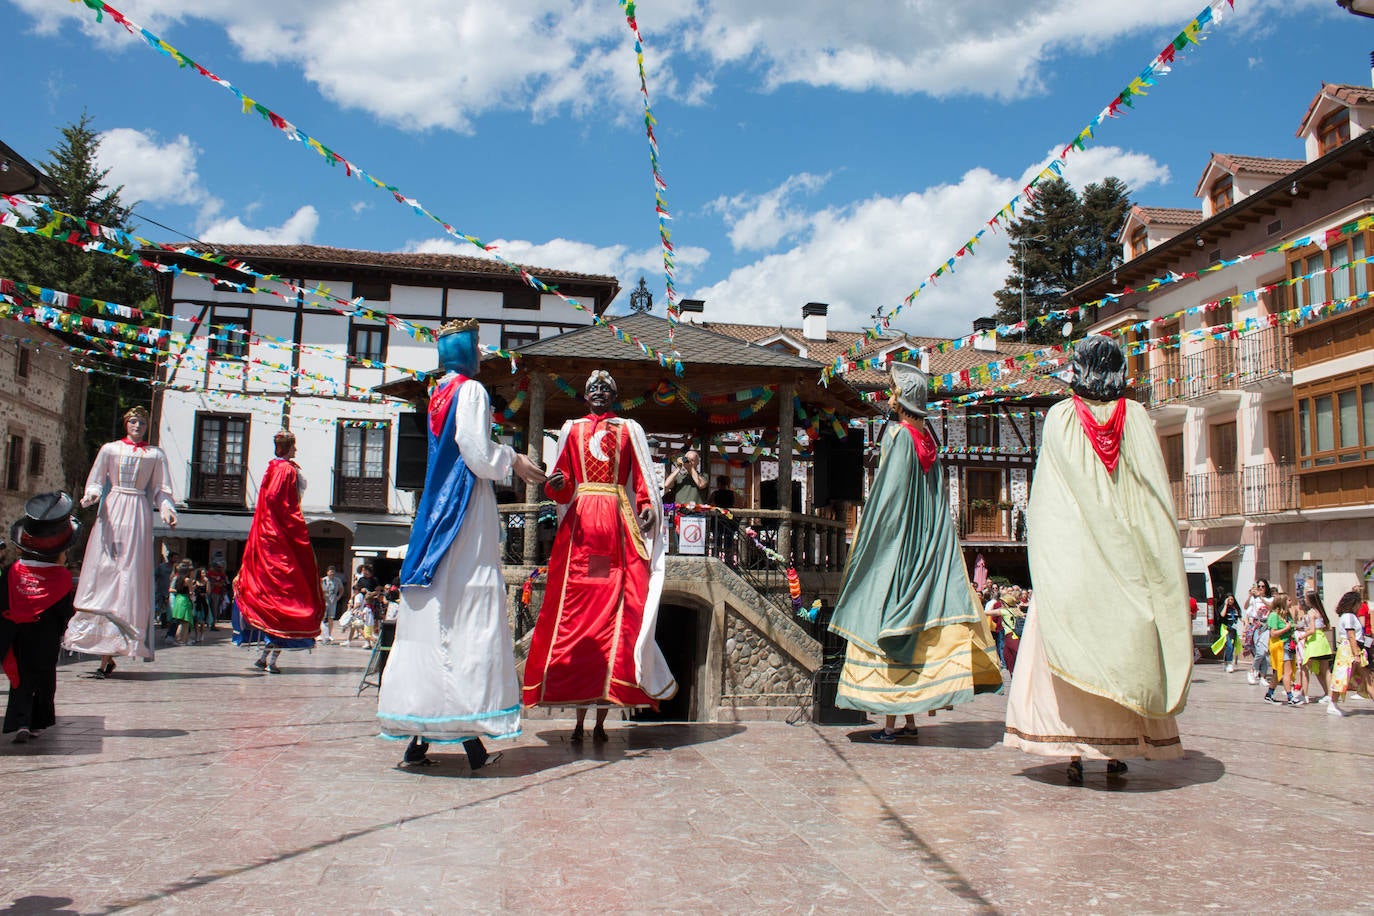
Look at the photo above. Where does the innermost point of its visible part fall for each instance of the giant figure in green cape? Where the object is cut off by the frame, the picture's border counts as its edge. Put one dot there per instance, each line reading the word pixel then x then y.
pixel 918 640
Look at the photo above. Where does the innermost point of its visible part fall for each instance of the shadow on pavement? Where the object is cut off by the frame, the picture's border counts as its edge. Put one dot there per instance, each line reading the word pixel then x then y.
pixel 38 904
pixel 79 736
pixel 1195 769
pixel 981 735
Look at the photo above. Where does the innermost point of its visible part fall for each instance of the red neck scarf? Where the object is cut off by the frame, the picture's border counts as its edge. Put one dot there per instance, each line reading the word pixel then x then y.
pixel 34 589
pixel 439 401
pixel 925 445
pixel 138 445
pixel 1105 438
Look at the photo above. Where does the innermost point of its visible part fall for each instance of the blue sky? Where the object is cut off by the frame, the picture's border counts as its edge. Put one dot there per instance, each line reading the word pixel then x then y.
pixel 809 155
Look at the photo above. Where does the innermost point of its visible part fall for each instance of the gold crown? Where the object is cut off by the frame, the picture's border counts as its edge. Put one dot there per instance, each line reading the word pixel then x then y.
pixel 140 411
pixel 456 325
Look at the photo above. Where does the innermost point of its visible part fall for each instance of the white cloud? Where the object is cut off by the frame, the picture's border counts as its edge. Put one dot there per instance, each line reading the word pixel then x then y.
pixel 761 221
pixel 583 257
pixel 1084 167
pixel 873 253
pixel 153 172
pixel 299 228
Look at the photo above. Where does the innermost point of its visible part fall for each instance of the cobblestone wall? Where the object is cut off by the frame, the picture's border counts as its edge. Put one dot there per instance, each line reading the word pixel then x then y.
pixel 755 672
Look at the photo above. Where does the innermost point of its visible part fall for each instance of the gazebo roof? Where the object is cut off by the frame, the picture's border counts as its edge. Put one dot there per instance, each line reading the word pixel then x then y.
pixel 727 384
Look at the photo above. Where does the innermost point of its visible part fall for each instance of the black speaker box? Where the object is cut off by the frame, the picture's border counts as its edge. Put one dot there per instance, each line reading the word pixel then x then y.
pixel 839 467
pixel 825 712
pixel 412 450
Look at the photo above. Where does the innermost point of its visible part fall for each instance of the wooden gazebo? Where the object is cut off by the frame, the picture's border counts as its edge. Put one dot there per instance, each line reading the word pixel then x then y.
pixel 726 385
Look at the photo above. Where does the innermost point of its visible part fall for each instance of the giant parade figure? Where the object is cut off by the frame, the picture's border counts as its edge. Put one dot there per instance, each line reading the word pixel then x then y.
pixel 451 674
pixel 278 603
pixel 918 639
pixel 1107 652
pixel 114 600
pixel 593 644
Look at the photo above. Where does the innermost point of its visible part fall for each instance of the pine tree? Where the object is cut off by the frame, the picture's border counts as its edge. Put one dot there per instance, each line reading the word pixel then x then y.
pixel 1063 240
pixel 82 192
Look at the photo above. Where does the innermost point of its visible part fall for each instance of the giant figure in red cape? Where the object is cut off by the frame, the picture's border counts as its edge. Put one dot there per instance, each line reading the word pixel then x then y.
pixel 278 586
pixel 593 644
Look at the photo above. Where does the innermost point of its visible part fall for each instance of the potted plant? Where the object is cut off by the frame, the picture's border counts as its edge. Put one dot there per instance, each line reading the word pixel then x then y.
pixel 980 504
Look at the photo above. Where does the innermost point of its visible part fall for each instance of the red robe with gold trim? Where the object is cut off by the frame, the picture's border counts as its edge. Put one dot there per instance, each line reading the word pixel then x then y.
pixel 601 600
pixel 278 585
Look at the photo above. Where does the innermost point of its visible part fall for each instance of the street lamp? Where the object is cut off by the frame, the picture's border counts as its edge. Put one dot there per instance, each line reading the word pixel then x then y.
pixel 1021 258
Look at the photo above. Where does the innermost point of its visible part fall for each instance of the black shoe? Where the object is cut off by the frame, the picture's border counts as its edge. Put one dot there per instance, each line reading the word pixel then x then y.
pixel 1075 773
pixel 109 668
pixel 99 674
pixel 1116 767
pixel 490 761
pixel 415 753
pixel 599 734
pixel 577 735
pixel 273 669
pixel 23 736
pixel 261 663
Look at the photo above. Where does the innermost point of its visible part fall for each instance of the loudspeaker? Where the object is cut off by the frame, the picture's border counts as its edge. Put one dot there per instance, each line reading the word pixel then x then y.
pixel 412 450
pixel 768 495
pixel 825 683
pixel 839 467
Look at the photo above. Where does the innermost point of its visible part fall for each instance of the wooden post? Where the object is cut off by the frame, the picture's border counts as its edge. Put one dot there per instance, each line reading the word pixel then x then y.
pixel 534 448
pixel 786 433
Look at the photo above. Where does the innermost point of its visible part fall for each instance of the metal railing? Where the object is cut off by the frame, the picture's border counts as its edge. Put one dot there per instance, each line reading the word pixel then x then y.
pixel 1269 488
pixel 1160 385
pixel 1211 368
pixel 1212 494
pixel 1264 354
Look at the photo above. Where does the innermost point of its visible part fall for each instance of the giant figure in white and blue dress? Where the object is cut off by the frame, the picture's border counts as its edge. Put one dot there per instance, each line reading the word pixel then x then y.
pixel 451 676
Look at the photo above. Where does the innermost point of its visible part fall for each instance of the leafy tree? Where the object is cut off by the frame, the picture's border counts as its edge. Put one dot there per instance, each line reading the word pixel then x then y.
pixel 1061 242
pixel 82 192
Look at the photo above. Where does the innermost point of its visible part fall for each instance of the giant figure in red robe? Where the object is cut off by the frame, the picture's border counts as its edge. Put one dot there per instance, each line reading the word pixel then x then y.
pixel 593 644
pixel 278 586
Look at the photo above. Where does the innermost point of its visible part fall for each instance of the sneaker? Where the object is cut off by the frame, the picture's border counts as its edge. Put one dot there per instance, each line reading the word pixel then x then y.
pixel 1250 678
pixel 906 731
pixel 1230 668
pixel 1296 701
pixel 883 735
pixel 1335 710
pixel 273 669
pixel 1325 701
pixel 23 736
pixel 260 663
pixel 1269 698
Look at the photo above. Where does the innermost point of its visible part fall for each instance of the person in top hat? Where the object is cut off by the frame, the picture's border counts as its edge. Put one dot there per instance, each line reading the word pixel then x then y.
pixel 918 638
pixel 451 674
pixel 593 644
pixel 114 600
pixel 1107 653
pixel 277 590
pixel 35 607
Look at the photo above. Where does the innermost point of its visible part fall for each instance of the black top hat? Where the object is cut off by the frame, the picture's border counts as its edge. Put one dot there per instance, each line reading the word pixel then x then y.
pixel 47 527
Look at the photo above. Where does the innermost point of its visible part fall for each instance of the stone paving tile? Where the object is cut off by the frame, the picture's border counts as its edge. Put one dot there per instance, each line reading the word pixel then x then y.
pixel 197 784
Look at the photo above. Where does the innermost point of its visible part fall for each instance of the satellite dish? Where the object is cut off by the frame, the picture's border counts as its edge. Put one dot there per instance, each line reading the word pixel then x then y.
pixel 1068 329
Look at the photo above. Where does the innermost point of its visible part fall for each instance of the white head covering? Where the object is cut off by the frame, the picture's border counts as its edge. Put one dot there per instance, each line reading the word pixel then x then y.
pixel 912 386
pixel 601 375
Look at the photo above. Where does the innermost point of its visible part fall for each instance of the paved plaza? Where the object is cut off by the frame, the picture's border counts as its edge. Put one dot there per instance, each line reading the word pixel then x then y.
pixel 199 785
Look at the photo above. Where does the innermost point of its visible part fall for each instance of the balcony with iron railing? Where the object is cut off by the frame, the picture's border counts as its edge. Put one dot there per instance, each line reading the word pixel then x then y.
pixel 1269 488
pixel 1264 357
pixel 1209 372
pixel 1212 495
pixel 1160 386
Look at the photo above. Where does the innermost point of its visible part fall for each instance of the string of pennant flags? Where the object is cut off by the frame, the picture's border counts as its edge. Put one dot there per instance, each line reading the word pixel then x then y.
pixel 665 236
pixel 249 105
pixel 1158 66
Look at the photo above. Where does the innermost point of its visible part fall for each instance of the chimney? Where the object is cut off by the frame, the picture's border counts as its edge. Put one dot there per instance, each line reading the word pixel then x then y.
pixel 985 330
pixel 813 320
pixel 689 309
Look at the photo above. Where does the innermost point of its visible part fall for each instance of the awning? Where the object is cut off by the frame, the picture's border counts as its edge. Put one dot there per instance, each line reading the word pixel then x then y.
pixel 371 537
pixel 1212 555
pixel 205 526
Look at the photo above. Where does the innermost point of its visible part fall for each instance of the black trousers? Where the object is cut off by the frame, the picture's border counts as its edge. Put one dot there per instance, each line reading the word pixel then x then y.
pixel 36 647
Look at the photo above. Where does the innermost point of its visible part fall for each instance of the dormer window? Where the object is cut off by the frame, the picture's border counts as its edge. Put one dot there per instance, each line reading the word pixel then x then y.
pixel 1140 241
pixel 1223 193
pixel 782 346
pixel 1333 130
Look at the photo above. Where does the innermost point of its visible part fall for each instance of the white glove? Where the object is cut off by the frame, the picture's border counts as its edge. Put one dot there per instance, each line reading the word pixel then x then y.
pixel 169 515
pixel 90 499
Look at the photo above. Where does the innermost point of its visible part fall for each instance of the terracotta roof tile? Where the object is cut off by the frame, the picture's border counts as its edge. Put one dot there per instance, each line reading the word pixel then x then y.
pixel 1257 165
pixel 349 257
pixel 1341 92
pixel 1167 216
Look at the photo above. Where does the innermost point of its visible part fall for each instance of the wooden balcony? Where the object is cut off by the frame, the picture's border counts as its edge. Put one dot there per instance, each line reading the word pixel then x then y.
pixel 984 524
pixel 214 487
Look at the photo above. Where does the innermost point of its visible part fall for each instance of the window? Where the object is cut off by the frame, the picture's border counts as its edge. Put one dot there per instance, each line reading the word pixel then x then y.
pixel 21 363
pixel 1333 131
pixel 1336 425
pixel 35 459
pixel 521 297
pixel 372 290
pixel 1347 277
pixel 229 330
pixel 14 465
pixel 218 469
pixel 782 346
pixel 982 427
pixel 1222 194
pixel 361 475
pixel 1140 241
pixel 1222 441
pixel 514 340
pixel 367 341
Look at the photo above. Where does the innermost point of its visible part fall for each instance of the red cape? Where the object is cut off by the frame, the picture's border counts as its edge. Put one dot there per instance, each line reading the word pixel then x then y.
pixel 278 585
